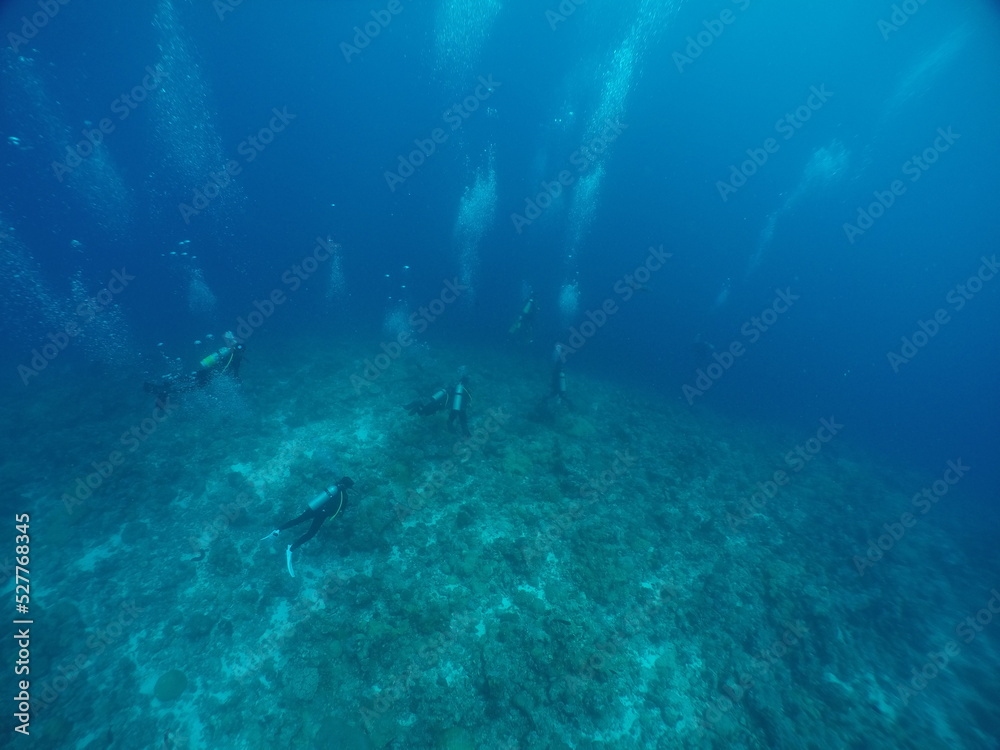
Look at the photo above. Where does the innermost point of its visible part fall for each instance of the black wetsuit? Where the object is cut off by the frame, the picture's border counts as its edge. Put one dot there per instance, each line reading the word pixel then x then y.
pixel 427 406
pixel 333 505
pixel 445 398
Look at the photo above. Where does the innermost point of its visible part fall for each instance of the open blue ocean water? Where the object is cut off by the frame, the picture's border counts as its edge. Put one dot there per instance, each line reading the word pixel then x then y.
pixel 500 375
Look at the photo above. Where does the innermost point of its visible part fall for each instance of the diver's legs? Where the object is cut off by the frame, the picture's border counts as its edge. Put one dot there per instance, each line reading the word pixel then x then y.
pixel 307 514
pixel 317 522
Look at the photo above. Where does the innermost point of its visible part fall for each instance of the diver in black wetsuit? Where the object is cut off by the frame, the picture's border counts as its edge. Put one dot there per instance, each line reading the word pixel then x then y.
pixel 455 398
pixel 328 504
pixel 557 385
pixel 430 405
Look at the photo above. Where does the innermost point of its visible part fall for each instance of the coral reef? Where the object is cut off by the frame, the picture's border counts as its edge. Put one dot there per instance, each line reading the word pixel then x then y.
pixel 629 574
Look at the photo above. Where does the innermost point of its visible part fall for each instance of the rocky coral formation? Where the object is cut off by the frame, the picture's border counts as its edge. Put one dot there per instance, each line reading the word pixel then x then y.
pixel 630 574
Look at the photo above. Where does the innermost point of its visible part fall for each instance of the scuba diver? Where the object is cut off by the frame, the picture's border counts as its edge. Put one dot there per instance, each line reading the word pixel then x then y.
pixel 227 359
pixel 427 406
pixel 326 504
pixel 524 326
pixel 455 398
pixel 459 406
pixel 557 383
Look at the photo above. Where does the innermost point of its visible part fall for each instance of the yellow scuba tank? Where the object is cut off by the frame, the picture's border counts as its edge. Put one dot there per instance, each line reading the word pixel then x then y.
pixel 525 312
pixel 215 357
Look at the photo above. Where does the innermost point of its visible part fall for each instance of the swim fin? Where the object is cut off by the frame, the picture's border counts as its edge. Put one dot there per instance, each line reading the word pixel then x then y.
pixel 288 559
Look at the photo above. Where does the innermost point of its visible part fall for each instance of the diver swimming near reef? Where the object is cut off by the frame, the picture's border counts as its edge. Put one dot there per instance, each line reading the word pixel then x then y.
pixel 455 398
pixel 225 360
pixel 327 504
pixel 523 327
pixel 557 381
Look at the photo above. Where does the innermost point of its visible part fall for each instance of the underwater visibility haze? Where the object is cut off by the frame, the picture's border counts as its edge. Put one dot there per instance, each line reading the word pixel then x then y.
pixel 499 375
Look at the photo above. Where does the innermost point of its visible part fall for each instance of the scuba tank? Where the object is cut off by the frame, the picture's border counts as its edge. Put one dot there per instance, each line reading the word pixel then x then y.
pixel 525 312
pixel 457 399
pixel 425 406
pixel 215 357
pixel 324 497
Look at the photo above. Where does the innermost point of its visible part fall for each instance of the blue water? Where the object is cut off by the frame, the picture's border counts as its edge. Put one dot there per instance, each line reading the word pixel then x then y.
pixel 753 218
